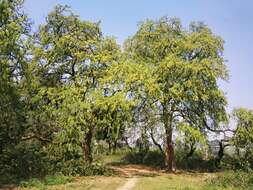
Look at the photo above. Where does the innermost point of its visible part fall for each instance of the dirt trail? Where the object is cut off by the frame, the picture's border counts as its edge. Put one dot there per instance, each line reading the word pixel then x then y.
pixel 133 172
pixel 129 184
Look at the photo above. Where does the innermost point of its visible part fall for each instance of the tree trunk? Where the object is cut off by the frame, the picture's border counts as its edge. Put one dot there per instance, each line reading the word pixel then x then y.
pixel 114 146
pixel 169 149
pixel 220 153
pixel 86 145
pixel 110 146
pixel 145 141
pixel 126 142
pixel 192 150
pixel 156 143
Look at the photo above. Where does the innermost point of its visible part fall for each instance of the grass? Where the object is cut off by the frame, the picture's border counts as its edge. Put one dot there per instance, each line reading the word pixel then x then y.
pixel 46 181
pixel 160 181
pixel 82 183
pixel 110 159
pixel 172 181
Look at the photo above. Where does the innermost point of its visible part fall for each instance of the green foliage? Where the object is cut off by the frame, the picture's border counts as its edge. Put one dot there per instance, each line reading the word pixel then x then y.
pixel 194 163
pixel 77 167
pixel 243 138
pixel 190 134
pixel 14 31
pixel 151 158
pixel 244 129
pixel 47 181
pixel 96 169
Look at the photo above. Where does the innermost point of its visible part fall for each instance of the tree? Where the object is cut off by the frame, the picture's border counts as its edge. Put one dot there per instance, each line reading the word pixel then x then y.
pixel 70 58
pixel 184 66
pixel 191 138
pixel 14 31
pixel 243 136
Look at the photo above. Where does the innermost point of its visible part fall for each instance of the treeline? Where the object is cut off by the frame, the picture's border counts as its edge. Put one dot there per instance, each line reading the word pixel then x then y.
pixel 67 85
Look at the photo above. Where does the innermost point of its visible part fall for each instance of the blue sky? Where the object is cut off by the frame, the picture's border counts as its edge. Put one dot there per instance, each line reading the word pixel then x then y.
pixel 231 19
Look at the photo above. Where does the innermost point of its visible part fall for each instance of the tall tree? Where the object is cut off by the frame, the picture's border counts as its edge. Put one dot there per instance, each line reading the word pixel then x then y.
pixel 14 28
pixel 70 57
pixel 184 66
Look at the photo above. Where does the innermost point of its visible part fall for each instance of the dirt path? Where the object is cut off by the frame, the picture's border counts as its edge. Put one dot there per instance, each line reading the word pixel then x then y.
pixel 133 172
pixel 129 184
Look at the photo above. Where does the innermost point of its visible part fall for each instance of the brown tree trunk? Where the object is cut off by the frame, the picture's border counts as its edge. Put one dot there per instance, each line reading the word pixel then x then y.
pixel 169 149
pixel 114 146
pixel 110 146
pixel 192 150
pixel 86 145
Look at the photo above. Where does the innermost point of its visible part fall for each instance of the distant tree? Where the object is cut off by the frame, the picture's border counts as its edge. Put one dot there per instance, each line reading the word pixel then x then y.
pixel 243 137
pixel 191 138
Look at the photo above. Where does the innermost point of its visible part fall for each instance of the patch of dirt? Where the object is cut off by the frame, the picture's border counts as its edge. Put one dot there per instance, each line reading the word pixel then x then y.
pixel 129 184
pixel 135 170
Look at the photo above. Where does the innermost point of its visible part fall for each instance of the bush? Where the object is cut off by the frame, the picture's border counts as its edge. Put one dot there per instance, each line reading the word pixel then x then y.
pixel 154 159
pixel 96 169
pixel 238 180
pixel 151 158
pixel 133 158
pixel 23 160
pixel 195 162
pixel 47 181
pixel 80 168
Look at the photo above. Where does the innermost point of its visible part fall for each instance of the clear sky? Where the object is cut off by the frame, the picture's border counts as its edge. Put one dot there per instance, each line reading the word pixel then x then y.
pixel 231 19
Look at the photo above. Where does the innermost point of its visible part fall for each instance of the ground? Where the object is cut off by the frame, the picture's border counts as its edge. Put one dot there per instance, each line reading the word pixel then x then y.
pixel 137 177
pixel 134 177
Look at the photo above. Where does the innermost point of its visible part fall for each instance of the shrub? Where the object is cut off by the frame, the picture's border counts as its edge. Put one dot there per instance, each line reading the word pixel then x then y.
pixel 151 158
pixel 96 169
pixel 133 158
pixel 80 168
pixel 47 181
pixel 154 159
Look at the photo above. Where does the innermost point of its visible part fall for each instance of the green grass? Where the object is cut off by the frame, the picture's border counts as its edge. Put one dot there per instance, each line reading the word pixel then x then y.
pixel 46 181
pixel 171 181
pixel 85 183
pixel 110 159
pixel 197 181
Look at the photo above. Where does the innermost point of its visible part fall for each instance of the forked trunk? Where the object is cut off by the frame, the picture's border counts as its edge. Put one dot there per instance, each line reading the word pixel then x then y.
pixel 86 145
pixel 192 150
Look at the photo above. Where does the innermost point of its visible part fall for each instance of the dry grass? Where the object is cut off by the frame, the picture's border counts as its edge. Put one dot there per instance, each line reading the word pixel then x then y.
pixel 89 183
pixel 183 181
